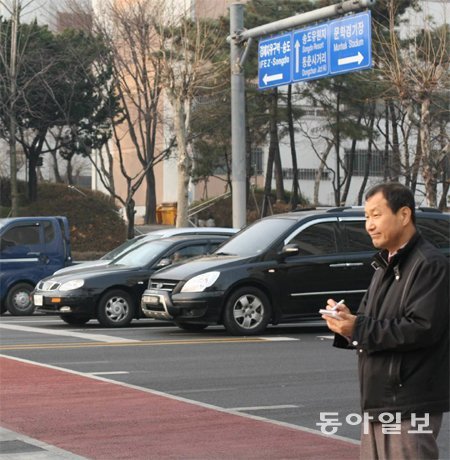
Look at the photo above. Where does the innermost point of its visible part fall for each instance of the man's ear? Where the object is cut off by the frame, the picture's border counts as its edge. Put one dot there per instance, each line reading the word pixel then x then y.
pixel 406 215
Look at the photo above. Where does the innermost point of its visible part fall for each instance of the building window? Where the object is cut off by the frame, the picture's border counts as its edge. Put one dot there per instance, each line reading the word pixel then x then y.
pixel 257 161
pixel 305 174
pixel 376 167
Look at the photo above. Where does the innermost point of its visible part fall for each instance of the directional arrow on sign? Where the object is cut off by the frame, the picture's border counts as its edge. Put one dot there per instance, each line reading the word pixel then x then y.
pixel 270 78
pixel 351 59
pixel 297 56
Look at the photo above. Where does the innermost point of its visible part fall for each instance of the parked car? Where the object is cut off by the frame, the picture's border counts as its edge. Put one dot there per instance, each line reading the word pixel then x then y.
pixel 31 248
pixel 280 269
pixel 112 293
pixel 150 236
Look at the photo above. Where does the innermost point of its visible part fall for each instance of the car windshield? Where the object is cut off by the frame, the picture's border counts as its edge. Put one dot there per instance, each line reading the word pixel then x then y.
pixel 256 238
pixel 124 247
pixel 143 254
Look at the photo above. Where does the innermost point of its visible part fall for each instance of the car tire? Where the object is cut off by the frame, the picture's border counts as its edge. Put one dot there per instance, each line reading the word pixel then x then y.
pixel 18 301
pixel 247 311
pixel 115 309
pixel 191 327
pixel 75 320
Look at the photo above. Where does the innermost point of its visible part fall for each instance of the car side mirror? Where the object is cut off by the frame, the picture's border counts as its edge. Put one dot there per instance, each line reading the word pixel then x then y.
pixel 164 262
pixel 289 250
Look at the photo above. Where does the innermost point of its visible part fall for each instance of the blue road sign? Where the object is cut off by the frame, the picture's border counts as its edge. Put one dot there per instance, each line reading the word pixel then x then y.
pixel 274 61
pixel 334 47
pixel 350 43
pixel 310 53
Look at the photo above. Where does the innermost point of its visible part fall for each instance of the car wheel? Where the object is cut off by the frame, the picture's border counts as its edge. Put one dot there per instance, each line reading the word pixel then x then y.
pixel 74 319
pixel 247 312
pixel 115 309
pixel 191 327
pixel 18 301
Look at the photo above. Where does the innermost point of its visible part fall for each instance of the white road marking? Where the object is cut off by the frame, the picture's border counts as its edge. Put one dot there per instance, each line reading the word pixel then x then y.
pixel 79 335
pixel 277 339
pixel 281 406
pixel 108 373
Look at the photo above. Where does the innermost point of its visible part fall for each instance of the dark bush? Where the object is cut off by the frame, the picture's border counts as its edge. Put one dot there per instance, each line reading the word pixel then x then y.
pixel 95 224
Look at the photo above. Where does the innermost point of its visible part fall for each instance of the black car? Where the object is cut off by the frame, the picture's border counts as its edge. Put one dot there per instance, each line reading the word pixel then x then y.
pixel 282 268
pixel 150 236
pixel 111 293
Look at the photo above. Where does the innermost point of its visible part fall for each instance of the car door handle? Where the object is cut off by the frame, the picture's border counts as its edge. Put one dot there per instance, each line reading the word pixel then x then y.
pixel 338 265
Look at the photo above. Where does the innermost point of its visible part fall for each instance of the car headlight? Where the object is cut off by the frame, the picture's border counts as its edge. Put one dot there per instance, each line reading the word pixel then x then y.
pixel 201 282
pixel 70 285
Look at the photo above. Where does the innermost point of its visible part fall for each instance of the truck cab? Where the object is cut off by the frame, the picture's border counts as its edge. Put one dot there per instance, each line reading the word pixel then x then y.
pixel 31 248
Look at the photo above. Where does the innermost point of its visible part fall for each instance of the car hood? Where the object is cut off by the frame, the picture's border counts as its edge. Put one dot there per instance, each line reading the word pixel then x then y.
pixel 204 264
pixel 91 273
pixel 82 266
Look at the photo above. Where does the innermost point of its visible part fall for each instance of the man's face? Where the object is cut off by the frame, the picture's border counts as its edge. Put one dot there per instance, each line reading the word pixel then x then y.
pixel 384 227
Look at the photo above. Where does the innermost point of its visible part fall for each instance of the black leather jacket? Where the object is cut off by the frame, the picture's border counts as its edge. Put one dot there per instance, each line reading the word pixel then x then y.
pixel 402 333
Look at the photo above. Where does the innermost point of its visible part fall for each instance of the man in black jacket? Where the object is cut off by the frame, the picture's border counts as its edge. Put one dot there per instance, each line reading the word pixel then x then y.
pixel 400 332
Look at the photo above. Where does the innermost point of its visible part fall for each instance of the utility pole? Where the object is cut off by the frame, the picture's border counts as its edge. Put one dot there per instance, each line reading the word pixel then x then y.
pixel 238 158
pixel 240 42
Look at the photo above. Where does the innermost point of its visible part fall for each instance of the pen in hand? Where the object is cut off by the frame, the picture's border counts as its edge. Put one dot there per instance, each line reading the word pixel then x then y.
pixel 336 305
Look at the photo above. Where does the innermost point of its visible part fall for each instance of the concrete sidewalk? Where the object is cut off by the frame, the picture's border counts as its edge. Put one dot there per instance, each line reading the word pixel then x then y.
pixel 16 446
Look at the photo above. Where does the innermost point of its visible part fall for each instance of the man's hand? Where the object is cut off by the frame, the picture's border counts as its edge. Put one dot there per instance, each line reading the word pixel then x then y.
pixel 343 326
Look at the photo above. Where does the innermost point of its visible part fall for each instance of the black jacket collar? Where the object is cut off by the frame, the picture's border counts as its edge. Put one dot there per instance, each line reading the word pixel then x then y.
pixel 380 259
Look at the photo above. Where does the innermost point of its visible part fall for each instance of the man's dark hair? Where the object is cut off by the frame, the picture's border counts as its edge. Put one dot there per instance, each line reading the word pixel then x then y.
pixel 397 196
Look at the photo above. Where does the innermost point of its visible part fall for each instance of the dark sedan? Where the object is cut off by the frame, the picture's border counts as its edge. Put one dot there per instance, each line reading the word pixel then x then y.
pixel 112 293
pixel 282 268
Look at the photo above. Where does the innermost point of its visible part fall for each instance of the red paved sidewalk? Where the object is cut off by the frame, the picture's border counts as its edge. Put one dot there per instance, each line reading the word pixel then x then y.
pixel 105 420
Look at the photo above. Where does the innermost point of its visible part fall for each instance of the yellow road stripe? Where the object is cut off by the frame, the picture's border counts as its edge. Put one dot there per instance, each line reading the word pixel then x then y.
pixel 43 346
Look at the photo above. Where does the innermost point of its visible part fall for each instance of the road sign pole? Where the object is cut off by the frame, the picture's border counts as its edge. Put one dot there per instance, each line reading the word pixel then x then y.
pixel 238 163
pixel 238 36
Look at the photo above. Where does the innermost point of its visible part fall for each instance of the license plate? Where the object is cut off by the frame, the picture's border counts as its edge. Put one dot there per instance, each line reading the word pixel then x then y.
pixel 38 300
pixel 151 299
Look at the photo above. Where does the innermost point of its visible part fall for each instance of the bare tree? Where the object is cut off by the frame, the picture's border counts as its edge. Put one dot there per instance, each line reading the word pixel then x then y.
pixel 189 67
pixel 10 62
pixel 417 67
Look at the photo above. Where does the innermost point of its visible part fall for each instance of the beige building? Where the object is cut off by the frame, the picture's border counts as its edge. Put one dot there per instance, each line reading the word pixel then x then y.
pixel 165 172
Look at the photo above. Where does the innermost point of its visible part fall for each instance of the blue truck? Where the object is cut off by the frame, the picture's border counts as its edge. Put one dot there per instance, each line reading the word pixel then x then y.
pixel 31 248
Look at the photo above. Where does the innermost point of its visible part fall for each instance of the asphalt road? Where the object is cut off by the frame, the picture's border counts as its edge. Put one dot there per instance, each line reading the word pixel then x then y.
pixel 291 374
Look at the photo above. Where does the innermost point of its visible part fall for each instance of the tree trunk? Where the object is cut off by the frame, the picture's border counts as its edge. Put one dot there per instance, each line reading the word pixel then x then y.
pixel 32 176
pixel 416 163
pixel 396 163
pixel 183 163
pixel 337 182
pixel 386 169
pixel 130 212
pixel 12 110
pixel 150 199
pixel 349 173
pixel 295 187
pixel 56 174
pixel 248 155
pixel 69 171
pixel 369 156
pixel 429 175
pixel 351 163
pixel 273 141
pixel 319 172
pixel 13 165
pixel 279 185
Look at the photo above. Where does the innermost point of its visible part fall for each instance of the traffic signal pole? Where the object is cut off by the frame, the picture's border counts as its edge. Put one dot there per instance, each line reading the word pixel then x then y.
pixel 240 42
